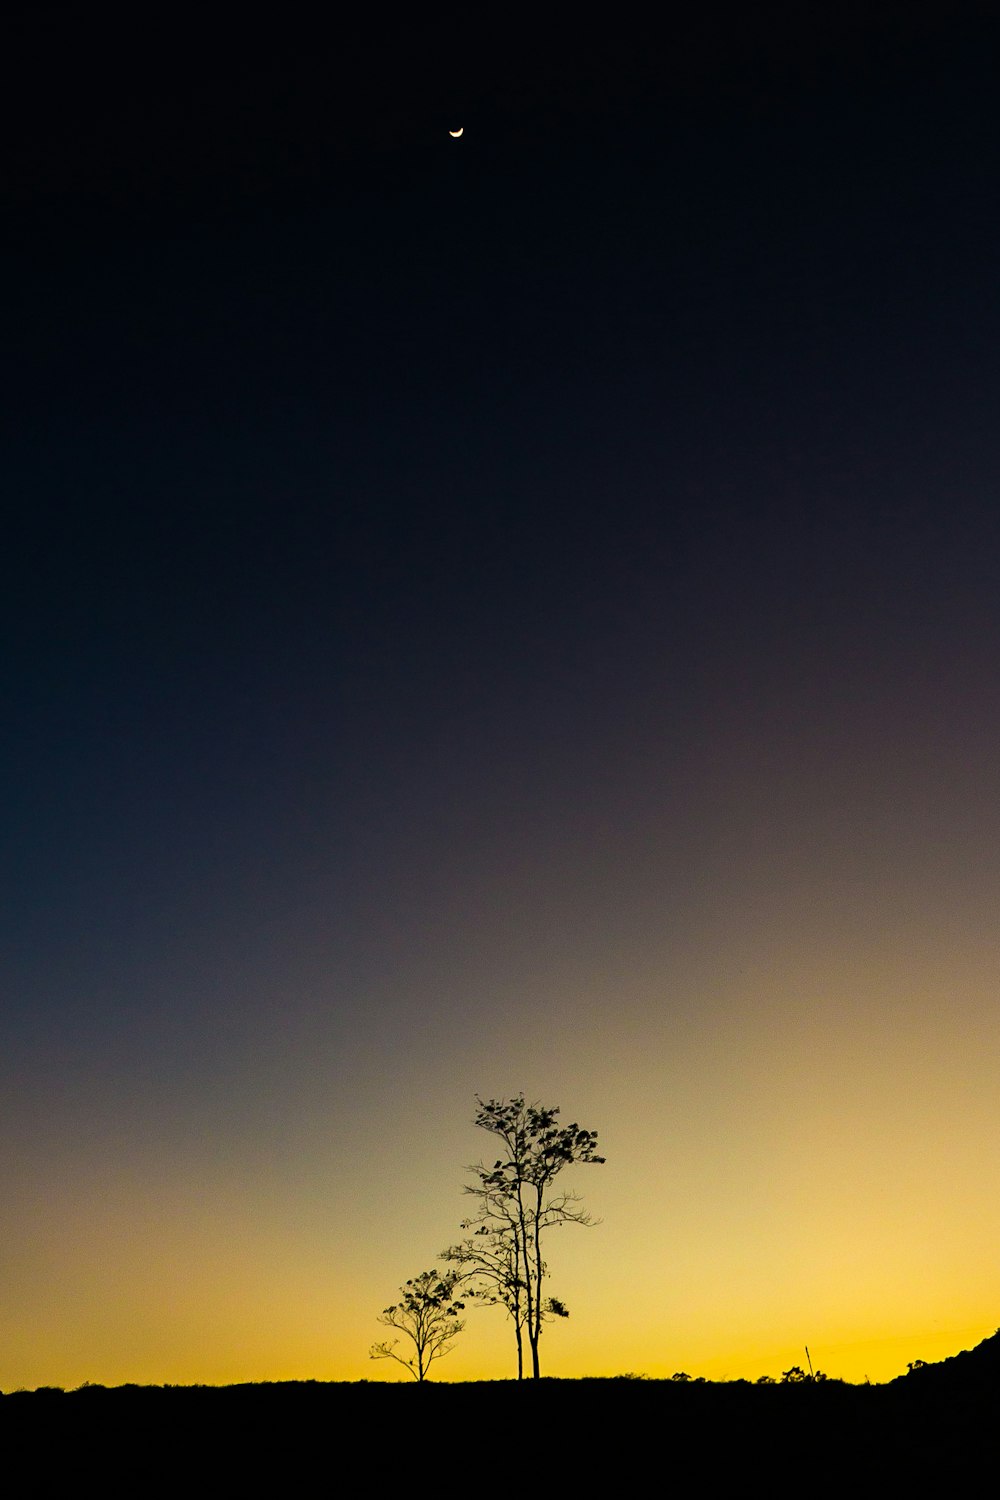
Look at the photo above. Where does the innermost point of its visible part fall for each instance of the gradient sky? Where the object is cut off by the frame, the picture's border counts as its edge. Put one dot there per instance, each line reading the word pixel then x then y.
pixel 517 613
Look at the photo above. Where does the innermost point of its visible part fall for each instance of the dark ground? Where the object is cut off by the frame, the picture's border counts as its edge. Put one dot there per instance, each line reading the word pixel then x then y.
pixel 930 1427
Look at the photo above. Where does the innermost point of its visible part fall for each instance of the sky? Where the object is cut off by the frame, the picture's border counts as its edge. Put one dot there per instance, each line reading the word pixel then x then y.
pixel 498 614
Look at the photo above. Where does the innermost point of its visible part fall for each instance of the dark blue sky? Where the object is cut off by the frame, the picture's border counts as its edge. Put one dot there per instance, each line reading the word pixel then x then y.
pixel 425 552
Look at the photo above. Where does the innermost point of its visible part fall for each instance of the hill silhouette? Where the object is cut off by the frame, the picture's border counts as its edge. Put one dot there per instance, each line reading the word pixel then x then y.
pixel 971 1368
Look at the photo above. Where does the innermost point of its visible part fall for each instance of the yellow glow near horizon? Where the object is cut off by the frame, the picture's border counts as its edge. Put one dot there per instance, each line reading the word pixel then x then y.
pixel 798 1153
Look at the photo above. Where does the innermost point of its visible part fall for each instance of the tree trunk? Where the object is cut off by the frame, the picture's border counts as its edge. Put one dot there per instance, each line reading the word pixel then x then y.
pixel 524 1245
pixel 535 1317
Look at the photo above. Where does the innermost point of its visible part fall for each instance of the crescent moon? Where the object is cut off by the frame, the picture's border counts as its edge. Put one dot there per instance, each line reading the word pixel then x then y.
pixel 458 132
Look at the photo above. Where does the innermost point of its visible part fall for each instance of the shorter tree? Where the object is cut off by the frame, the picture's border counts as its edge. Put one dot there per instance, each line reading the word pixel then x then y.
pixel 428 1316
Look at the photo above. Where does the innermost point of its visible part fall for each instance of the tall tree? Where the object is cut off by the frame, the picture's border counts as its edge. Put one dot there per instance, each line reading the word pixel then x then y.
pixel 428 1315
pixel 516 1204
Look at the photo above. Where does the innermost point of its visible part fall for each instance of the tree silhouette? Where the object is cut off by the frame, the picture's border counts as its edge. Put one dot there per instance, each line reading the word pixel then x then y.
pixel 501 1260
pixel 427 1315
